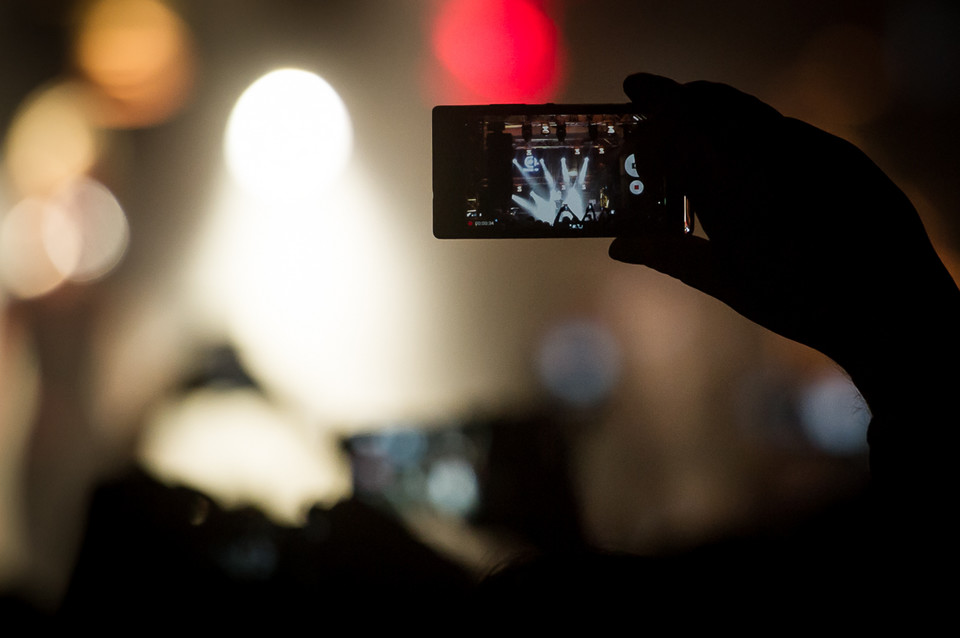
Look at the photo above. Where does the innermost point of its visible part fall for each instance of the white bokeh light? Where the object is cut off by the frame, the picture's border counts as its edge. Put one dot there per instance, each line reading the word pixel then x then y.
pixel 87 234
pixel 579 362
pixel 452 486
pixel 318 286
pixel 834 415
pixel 242 450
pixel 79 234
pixel 289 136
pixel 319 301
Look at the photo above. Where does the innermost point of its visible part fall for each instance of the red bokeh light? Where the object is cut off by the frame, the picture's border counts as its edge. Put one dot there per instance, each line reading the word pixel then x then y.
pixel 499 50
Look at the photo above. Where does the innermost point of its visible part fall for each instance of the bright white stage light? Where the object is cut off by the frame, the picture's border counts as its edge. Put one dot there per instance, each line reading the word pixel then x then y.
pixel 321 302
pixel 289 136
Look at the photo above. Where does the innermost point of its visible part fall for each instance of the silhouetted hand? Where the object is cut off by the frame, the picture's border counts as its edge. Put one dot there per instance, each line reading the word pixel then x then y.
pixel 810 239
pixel 807 236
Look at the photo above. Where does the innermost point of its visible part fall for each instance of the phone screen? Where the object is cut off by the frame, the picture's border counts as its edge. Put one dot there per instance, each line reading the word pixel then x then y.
pixel 543 171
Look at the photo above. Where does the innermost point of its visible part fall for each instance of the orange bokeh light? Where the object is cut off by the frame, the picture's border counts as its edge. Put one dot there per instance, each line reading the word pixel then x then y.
pixel 139 55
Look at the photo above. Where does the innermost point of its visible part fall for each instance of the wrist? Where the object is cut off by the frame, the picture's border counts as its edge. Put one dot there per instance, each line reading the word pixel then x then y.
pixel 904 355
pixel 906 364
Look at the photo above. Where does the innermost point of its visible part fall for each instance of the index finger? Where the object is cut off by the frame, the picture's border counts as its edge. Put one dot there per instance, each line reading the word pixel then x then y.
pixel 716 144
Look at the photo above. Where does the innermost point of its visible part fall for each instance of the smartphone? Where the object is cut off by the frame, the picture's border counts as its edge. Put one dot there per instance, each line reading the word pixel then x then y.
pixel 548 170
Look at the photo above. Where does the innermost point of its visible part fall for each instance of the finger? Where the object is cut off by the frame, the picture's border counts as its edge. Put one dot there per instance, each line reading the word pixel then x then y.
pixel 700 101
pixel 721 104
pixel 653 94
pixel 686 258
pixel 713 143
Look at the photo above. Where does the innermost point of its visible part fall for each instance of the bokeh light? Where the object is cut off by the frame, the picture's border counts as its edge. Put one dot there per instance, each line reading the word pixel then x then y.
pixel 289 136
pixel 452 486
pixel 241 450
pixel 319 301
pixel 138 55
pixel 79 234
pixel 579 362
pixel 500 50
pixel 26 269
pixel 834 416
pixel 51 140
pixel 87 232
pixel 404 447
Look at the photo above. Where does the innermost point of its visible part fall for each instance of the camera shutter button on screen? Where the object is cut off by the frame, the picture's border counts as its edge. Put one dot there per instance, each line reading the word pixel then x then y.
pixel 630 166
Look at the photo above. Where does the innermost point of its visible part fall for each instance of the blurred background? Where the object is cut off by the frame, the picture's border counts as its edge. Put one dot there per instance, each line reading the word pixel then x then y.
pixel 217 267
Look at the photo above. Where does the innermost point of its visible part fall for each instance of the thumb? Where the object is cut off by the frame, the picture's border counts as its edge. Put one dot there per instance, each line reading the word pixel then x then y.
pixel 687 258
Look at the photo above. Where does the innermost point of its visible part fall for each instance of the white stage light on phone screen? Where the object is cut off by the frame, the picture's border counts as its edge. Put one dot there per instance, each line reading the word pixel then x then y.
pixel 289 136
